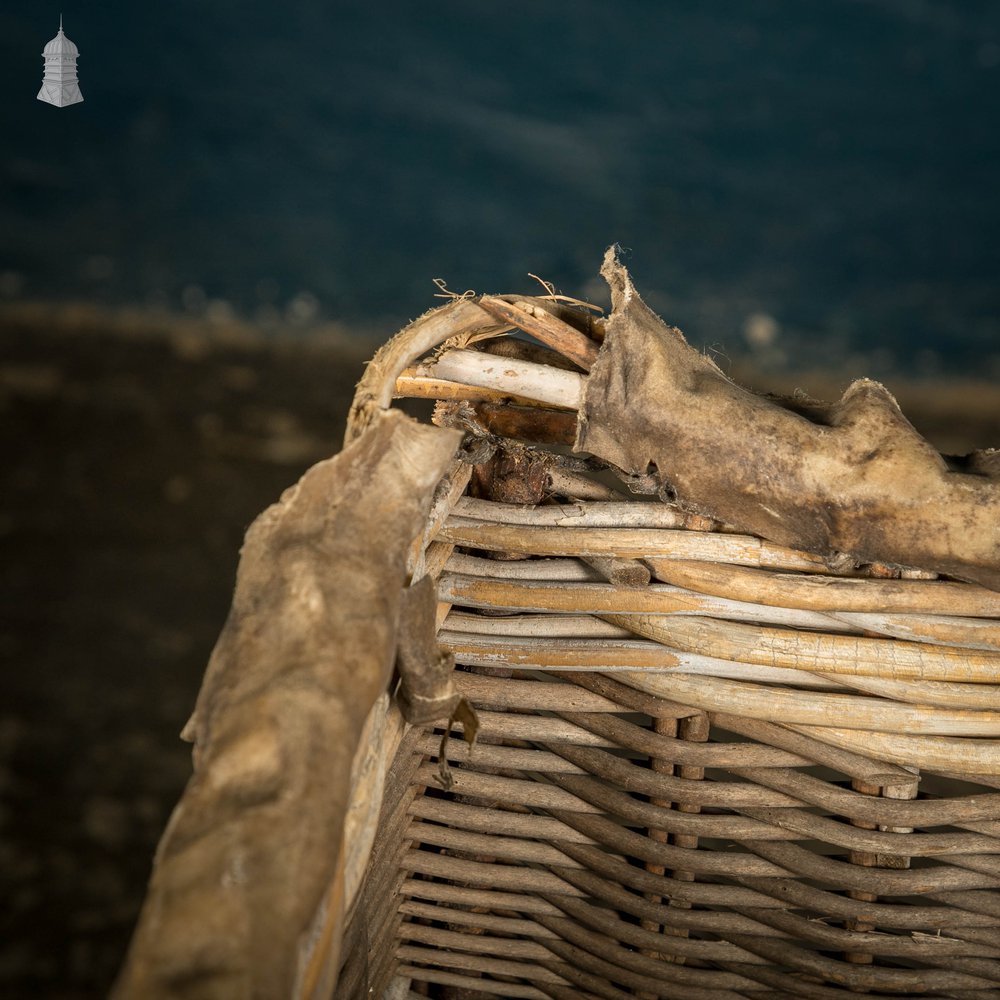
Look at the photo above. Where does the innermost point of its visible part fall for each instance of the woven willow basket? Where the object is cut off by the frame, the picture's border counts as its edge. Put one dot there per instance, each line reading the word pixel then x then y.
pixel 707 765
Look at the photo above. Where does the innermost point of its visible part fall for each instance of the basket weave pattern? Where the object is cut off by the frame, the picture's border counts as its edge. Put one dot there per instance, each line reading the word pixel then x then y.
pixel 727 670
pixel 638 819
pixel 708 766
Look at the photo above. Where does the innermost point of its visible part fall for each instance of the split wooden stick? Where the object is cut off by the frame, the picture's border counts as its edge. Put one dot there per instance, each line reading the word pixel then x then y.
pixel 543 326
pixel 510 376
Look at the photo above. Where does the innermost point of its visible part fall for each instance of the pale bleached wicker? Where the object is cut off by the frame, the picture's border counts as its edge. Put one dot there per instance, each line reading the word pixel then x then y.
pixel 707 766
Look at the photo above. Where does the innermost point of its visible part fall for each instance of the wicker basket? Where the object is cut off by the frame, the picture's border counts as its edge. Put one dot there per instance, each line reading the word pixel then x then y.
pixel 707 765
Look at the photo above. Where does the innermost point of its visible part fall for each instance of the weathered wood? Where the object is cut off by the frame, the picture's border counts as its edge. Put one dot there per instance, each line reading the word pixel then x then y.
pixel 543 326
pixel 834 594
pixel 514 378
pixel 552 626
pixel 621 572
pixel 945 630
pixel 516 594
pixel 623 514
pixel 657 545
pixel 527 423
pixel 957 756
pixel 814 708
pixel 814 651
pixel 412 385
pixel 377 385
pixel 615 656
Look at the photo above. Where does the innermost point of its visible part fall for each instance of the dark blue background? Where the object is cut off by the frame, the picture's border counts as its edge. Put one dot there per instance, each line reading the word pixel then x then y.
pixel 831 164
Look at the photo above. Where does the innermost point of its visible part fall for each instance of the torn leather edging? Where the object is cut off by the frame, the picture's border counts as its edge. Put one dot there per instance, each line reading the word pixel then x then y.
pixel 852 476
pixel 247 889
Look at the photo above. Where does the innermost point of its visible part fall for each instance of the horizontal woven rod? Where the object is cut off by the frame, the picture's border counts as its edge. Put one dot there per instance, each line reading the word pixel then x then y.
pixel 618 898
pixel 477 919
pixel 977 935
pixel 537 695
pixel 463 816
pixel 586 949
pixel 523 569
pixel 593 977
pixel 446 893
pixel 578 990
pixel 512 376
pixel 487 875
pixel 805 788
pixel 983 780
pixel 985 865
pixel 535 727
pixel 855 655
pixel 606 694
pixel 551 626
pixel 613 656
pixel 629 699
pixel 785 985
pixel 616 838
pixel 854 805
pixel 768 893
pixel 818 709
pixel 968 757
pixel 476 944
pixel 535 653
pixel 623 514
pixel 569 483
pixel 598 598
pixel 618 931
pixel 944 694
pixel 653 544
pixel 620 732
pixel 483 754
pixel 977 901
pixel 987 827
pixel 412 385
pixel 831 593
pixel 620 774
pixel 916 845
pixel 797 895
pixel 622 806
pixel 804 863
pixel 936 950
pixel 857 976
pixel 439 956
pixel 944 630
pixel 499 788
pixel 442 978
pixel 855 765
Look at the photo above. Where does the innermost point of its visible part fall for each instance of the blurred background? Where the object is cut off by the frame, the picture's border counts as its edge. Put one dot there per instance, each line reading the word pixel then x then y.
pixel 831 166
pixel 196 260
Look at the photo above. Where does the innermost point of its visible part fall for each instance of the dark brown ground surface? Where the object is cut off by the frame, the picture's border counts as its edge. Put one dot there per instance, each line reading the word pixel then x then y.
pixel 132 464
